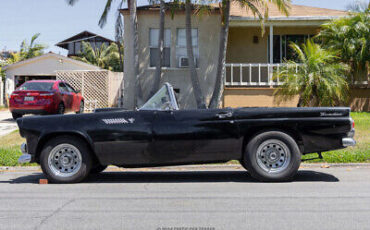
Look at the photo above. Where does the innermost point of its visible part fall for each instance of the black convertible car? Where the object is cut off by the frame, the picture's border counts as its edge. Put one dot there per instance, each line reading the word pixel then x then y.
pixel 268 142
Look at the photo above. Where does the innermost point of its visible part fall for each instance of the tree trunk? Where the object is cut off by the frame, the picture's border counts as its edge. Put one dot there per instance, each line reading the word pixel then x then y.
pixel 158 70
pixel 199 98
pixel 220 74
pixel 360 72
pixel 120 55
pixel 135 54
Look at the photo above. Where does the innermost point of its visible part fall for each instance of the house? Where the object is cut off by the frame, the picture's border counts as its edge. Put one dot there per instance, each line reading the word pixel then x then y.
pixel 251 56
pixel 74 43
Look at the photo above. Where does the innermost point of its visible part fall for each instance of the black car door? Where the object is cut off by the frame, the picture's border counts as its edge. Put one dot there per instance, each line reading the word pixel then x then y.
pixel 194 136
pixel 123 138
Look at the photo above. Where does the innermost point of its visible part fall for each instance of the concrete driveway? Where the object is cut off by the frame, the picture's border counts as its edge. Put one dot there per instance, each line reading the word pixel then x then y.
pixel 7 124
pixel 202 197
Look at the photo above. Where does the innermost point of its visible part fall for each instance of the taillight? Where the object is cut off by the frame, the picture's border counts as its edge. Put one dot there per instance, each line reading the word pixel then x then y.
pixel 13 95
pixel 353 124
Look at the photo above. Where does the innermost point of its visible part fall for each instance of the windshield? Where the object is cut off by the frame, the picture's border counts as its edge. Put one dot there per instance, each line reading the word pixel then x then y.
pixel 164 99
pixel 38 86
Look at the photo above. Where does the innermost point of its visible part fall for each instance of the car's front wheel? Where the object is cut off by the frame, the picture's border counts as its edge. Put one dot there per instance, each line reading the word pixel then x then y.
pixel 272 156
pixel 66 159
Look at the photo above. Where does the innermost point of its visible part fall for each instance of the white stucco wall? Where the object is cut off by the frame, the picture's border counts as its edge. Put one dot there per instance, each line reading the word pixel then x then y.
pixel 208 39
pixel 47 64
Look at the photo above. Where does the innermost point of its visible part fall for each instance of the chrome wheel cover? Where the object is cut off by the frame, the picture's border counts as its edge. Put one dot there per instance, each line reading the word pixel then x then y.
pixel 64 160
pixel 273 156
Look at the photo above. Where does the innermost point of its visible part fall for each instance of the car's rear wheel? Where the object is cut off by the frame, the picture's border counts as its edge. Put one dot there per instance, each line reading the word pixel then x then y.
pixel 16 116
pixel 61 108
pixel 272 156
pixel 81 109
pixel 66 159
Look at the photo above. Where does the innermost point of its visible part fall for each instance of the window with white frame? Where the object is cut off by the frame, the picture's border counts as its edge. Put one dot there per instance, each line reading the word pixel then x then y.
pixel 181 45
pixel 153 45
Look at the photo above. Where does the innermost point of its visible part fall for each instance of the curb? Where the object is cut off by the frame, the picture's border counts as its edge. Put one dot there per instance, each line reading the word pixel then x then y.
pixel 203 167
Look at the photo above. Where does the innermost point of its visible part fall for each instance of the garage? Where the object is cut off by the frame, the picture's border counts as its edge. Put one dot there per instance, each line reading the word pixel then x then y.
pixel 41 68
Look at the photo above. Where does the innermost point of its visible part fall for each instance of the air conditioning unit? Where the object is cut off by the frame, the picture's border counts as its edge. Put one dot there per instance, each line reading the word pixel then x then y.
pixel 184 61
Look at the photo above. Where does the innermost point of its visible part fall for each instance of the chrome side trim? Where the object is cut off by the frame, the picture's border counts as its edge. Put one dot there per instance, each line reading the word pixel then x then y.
pixel 25 158
pixel 347 141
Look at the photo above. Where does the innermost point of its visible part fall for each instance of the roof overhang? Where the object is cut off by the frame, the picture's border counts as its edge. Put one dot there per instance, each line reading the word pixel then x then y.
pixel 50 55
pixel 281 21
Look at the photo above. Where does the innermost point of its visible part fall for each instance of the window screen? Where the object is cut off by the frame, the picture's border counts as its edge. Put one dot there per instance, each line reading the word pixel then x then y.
pixel 153 45
pixel 181 44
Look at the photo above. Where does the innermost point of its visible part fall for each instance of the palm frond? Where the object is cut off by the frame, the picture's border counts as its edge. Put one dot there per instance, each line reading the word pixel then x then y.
pixel 104 16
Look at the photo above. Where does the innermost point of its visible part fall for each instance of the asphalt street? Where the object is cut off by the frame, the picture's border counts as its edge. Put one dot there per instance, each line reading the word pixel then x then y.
pixel 201 197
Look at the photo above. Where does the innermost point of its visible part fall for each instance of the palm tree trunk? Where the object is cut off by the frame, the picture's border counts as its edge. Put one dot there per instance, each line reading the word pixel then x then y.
pixel 220 74
pixel 199 98
pixel 135 54
pixel 120 54
pixel 158 70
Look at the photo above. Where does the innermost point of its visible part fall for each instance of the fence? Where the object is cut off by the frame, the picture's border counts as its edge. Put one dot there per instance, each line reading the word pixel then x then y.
pixel 248 74
pixel 1 92
pixel 100 88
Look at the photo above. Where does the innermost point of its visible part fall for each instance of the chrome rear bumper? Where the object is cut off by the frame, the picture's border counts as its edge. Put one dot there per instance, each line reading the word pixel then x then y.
pixel 348 141
pixel 25 158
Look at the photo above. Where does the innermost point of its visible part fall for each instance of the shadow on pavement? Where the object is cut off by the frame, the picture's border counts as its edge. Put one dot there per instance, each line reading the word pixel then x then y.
pixel 180 177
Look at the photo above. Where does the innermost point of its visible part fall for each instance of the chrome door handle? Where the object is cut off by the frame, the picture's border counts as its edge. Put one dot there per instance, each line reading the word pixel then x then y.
pixel 224 115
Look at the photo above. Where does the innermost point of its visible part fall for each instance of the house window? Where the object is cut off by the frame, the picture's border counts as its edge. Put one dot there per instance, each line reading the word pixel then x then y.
pixel 181 45
pixel 281 47
pixel 71 48
pixel 153 45
pixel 77 47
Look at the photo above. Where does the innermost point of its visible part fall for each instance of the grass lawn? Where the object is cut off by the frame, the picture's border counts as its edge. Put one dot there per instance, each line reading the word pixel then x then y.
pixel 10 152
pixel 10 149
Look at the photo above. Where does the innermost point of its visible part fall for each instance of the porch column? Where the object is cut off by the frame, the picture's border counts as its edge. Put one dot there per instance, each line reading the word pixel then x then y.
pixel 271 44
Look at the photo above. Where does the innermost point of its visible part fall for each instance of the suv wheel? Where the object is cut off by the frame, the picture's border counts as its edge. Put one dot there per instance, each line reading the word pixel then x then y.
pixel 272 156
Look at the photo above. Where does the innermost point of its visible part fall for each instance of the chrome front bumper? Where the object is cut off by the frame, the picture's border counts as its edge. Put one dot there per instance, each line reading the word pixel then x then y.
pixel 348 141
pixel 25 158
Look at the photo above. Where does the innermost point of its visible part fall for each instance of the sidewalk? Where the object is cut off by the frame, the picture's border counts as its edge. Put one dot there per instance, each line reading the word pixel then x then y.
pixel 7 124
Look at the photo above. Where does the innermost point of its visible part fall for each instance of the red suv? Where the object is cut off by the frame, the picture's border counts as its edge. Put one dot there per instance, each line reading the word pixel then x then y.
pixel 45 97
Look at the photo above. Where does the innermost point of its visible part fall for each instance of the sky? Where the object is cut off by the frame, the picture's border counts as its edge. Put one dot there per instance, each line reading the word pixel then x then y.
pixel 55 20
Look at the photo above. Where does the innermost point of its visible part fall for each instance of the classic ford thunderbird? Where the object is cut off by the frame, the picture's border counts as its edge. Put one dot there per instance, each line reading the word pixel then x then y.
pixel 268 142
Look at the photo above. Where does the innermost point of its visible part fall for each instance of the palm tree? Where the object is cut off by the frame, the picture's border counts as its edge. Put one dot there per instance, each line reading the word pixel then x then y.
pixel 199 97
pixel 358 6
pixel 350 36
pixel 132 4
pixel 319 81
pixel 27 50
pixel 106 57
pixel 32 49
pixel 255 6
pixel 158 70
